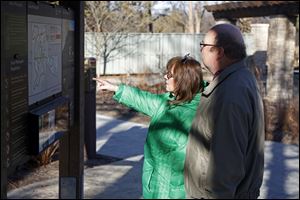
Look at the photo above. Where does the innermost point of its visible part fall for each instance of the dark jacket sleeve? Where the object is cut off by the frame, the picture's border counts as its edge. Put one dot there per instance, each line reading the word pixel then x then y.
pixel 226 168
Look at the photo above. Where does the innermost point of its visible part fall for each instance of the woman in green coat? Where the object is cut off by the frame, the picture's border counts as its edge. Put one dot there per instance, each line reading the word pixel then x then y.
pixel 171 118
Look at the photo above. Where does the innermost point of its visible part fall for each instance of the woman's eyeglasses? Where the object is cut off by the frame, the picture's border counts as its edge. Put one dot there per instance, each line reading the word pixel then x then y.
pixel 202 45
pixel 169 75
pixel 183 60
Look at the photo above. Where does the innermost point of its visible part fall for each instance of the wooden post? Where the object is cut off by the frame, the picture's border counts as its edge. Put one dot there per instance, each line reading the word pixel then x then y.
pixel 72 145
pixel 3 113
pixel 89 108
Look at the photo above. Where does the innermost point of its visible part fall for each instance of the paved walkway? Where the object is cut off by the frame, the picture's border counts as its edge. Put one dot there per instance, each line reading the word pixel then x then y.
pixel 122 179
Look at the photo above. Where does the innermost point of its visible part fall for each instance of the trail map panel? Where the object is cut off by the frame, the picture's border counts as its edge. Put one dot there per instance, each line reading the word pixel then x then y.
pixel 44 57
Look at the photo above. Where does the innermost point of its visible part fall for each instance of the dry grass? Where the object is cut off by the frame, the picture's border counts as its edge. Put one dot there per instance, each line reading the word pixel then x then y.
pixel 282 121
pixel 47 155
pixel 290 125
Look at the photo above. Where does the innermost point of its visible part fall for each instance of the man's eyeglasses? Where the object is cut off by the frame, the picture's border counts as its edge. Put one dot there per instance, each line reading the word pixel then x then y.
pixel 202 45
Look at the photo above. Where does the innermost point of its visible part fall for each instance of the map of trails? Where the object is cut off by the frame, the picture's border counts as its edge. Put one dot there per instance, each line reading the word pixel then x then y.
pixel 44 57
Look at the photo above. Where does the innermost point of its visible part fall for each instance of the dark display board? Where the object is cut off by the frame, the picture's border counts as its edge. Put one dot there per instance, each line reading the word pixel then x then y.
pixel 16 79
pixel 41 62
pixel 35 36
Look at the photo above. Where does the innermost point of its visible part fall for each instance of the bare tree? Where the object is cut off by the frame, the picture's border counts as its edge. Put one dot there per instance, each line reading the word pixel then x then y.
pixel 113 21
pixel 184 16
pixel 199 15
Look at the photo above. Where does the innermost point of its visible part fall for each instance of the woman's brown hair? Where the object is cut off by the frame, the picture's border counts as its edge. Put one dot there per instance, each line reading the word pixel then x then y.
pixel 188 78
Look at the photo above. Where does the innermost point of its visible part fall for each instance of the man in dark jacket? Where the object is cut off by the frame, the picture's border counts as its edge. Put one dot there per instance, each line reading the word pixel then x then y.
pixel 225 151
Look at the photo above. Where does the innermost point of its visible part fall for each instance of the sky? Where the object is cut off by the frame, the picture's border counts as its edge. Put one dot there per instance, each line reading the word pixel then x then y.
pixel 161 5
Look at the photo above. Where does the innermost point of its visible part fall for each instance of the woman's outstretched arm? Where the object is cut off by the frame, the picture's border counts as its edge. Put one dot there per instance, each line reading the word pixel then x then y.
pixel 105 85
pixel 142 101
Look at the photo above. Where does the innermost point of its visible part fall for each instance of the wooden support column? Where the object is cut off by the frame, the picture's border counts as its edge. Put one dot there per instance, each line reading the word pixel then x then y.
pixel 72 145
pixel 280 57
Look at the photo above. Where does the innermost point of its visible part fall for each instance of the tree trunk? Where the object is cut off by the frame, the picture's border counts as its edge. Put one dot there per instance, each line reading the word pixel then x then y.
pixel 150 25
pixel 191 21
pixel 104 64
pixel 198 15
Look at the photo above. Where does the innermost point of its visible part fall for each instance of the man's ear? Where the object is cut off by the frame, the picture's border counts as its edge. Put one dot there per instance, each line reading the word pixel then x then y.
pixel 221 52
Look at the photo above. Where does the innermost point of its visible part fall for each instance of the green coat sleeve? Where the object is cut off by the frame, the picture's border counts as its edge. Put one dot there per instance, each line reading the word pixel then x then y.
pixel 142 101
